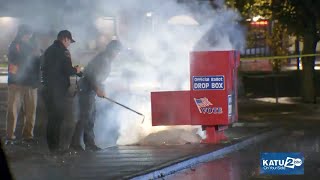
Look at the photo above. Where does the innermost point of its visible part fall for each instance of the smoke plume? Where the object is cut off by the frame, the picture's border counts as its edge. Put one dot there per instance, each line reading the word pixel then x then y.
pixel 159 36
pixel 158 60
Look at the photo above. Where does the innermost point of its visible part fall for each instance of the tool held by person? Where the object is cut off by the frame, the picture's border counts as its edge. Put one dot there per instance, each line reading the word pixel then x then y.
pixel 125 107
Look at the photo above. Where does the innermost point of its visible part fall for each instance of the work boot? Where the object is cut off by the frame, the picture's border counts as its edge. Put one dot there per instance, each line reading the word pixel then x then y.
pixel 10 141
pixel 92 148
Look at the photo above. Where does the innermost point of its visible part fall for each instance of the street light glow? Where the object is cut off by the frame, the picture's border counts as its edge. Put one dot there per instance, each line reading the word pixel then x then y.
pixel 256 18
pixel 183 20
pixel 6 20
pixel 149 14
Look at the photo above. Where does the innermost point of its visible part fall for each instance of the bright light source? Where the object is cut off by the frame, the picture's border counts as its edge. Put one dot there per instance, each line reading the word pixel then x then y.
pixel 149 14
pixel 7 20
pixel 262 23
pixel 8 25
pixel 183 20
pixel 105 24
pixel 256 18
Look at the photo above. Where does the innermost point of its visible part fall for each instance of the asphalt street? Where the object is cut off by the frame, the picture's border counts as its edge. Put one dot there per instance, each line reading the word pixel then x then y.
pixel 245 164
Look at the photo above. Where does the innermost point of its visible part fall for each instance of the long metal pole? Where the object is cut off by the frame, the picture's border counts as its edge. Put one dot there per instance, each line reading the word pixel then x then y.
pixel 125 107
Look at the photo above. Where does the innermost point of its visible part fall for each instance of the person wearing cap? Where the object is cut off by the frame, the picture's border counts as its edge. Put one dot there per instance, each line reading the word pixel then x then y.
pixel 90 86
pixel 23 80
pixel 56 71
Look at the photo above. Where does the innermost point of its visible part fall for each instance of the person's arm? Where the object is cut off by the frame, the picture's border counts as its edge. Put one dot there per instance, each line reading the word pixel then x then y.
pixel 14 56
pixel 68 69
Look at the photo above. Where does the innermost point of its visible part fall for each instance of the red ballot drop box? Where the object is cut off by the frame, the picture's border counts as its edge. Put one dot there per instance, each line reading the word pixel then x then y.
pixel 212 99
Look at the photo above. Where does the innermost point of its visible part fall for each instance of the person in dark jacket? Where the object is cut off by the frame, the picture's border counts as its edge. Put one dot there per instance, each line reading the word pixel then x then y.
pixel 4 165
pixel 90 85
pixel 56 71
pixel 23 80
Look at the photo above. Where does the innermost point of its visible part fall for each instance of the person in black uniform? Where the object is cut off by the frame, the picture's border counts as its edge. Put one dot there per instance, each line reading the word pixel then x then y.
pixel 90 85
pixel 56 71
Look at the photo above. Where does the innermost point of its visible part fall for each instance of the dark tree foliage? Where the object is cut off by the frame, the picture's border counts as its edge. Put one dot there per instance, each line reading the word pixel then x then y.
pixel 302 18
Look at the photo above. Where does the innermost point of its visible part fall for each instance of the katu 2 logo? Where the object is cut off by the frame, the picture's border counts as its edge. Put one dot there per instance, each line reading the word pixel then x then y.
pixel 288 163
pixel 282 163
pixel 205 106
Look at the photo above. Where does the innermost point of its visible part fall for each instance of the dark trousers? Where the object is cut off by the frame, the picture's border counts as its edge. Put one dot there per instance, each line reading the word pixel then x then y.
pixel 55 100
pixel 85 124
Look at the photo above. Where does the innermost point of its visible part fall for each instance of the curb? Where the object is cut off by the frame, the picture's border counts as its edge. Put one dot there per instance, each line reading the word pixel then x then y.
pixel 209 156
pixel 252 124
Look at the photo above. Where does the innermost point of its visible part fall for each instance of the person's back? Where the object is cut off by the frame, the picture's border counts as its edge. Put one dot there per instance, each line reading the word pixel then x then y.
pixel 97 70
pixel 57 67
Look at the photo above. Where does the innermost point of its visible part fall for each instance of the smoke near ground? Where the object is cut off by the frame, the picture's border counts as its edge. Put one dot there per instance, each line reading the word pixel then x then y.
pixel 159 61
pixel 160 35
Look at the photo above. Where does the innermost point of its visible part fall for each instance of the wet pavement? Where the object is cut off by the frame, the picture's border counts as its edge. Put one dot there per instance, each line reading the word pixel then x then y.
pixel 245 164
pixel 33 161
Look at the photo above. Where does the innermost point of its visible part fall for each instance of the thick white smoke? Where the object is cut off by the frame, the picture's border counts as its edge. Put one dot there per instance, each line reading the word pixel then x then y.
pixel 159 61
pixel 160 34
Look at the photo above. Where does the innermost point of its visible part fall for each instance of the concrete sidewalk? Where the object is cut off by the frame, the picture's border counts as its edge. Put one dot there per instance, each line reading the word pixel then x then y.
pixel 289 112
